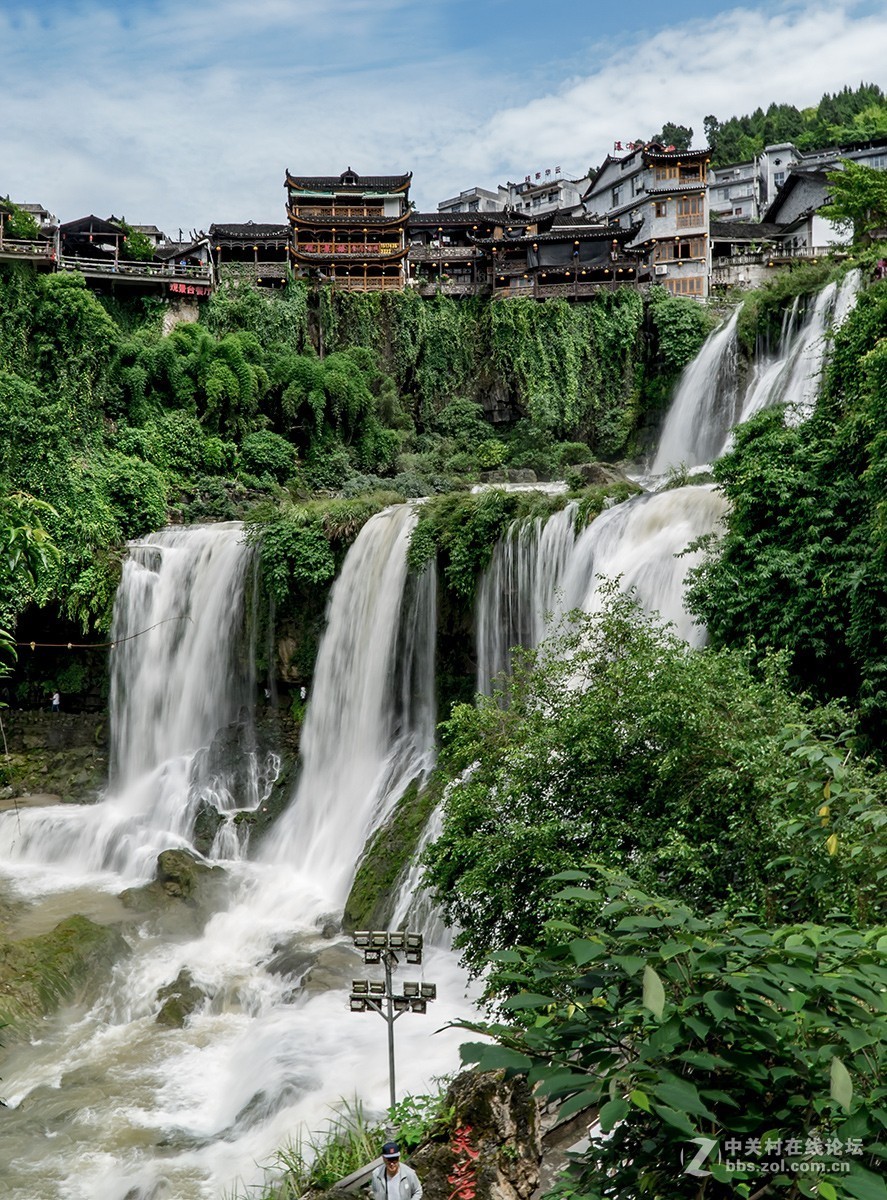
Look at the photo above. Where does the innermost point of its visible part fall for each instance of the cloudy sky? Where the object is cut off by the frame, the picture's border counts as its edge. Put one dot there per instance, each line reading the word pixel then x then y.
pixel 184 113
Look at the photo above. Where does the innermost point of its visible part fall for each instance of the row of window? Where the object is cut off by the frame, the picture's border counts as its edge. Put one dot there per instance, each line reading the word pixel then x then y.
pixel 685 285
pixel 674 251
pixel 687 206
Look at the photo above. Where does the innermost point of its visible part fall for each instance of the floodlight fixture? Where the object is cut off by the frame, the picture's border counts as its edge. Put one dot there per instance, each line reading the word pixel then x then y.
pixel 358 1004
pixel 429 991
pixel 396 941
pixel 360 987
pixel 401 1004
pixel 418 1006
pixel 372 956
pixel 380 939
pixel 362 938
pixel 411 989
pixel 377 987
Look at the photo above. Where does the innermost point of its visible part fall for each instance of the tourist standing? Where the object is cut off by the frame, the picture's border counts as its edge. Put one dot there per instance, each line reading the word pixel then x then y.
pixel 394 1180
pixel 56 702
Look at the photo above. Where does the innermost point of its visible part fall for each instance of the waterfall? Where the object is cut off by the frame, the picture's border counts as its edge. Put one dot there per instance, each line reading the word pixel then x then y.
pixel 373 693
pixel 107 1104
pixel 518 589
pixel 644 542
pixel 538 574
pixel 706 404
pixel 181 675
pixel 709 402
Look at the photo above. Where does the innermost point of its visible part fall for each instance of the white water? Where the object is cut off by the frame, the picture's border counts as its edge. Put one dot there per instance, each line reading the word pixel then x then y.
pixel 709 402
pixel 106 1104
pixel 540 572
pixel 706 404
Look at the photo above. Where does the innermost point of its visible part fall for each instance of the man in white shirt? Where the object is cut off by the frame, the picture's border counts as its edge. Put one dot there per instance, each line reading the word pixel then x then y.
pixel 394 1180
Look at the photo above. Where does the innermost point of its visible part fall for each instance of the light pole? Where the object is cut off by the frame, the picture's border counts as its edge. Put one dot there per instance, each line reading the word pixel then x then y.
pixel 380 946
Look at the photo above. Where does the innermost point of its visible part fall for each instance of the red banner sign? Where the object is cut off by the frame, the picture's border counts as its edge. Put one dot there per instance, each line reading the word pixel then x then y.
pixel 190 289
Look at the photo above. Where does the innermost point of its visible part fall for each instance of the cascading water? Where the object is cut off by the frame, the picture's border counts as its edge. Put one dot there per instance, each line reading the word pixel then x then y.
pixel 642 541
pixel 181 672
pixel 107 1104
pixel 706 405
pixel 518 589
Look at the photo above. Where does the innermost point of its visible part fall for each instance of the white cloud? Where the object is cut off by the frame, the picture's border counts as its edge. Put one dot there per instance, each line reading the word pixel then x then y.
pixel 187 114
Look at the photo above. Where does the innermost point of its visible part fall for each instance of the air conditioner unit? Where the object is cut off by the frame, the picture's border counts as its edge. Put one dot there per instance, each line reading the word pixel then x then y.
pixel 661 270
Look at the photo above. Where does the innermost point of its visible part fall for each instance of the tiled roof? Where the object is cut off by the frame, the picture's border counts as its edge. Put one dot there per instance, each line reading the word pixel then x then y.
pixel 439 219
pixel 349 181
pixel 738 231
pixel 249 229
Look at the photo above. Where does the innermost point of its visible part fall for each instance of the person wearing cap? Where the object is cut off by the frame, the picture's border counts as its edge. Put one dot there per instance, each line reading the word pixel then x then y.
pixel 394 1180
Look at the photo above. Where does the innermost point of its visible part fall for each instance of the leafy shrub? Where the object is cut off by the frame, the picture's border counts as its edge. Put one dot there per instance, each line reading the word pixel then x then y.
pixel 268 453
pixel 491 454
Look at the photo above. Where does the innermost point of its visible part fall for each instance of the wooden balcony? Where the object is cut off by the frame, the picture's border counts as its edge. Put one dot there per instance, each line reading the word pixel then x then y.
pixel 33 250
pixel 169 276
pixel 357 283
pixel 346 213
pixel 443 254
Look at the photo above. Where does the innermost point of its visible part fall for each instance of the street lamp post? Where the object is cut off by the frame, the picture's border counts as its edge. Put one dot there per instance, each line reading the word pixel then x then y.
pixel 369 995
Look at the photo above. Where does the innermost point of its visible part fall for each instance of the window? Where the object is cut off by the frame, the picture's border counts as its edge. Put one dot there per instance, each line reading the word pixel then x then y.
pixel 685 285
pixel 878 163
pixel 737 212
pixel 660 208
pixel 778 178
pixel 679 248
pixel 617 194
pixel 660 174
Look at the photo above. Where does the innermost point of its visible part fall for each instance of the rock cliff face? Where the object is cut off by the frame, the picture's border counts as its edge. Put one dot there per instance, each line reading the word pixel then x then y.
pixel 60 755
pixel 494 1144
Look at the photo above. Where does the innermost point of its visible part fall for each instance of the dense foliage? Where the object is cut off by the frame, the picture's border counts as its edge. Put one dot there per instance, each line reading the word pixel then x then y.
pixel 615 742
pixel 725 1058
pixel 851 115
pixel 117 425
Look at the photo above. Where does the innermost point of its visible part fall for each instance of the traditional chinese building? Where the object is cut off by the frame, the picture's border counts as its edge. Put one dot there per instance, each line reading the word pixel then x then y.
pixel 443 255
pixel 664 193
pixel 251 251
pixel 558 254
pixel 350 230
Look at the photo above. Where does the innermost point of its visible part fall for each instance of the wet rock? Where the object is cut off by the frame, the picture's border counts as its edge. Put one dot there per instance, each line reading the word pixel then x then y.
pixel 206 825
pixel 66 964
pixel 509 475
pixel 290 960
pixel 334 967
pixel 180 877
pixel 597 474
pixel 499 1120
pixel 180 999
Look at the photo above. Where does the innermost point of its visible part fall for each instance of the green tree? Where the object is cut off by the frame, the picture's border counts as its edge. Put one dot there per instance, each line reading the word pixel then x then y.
pixel 679 136
pixel 858 200
pixel 758 1045
pixel 614 742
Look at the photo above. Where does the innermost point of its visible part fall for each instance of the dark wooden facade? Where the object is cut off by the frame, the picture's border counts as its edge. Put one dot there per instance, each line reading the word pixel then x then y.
pixel 258 253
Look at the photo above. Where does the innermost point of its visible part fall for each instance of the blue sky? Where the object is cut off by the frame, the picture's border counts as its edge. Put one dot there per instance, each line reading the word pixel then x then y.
pixel 182 114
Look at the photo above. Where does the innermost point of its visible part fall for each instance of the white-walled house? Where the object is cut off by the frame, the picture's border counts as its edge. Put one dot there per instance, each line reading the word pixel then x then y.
pixel 666 193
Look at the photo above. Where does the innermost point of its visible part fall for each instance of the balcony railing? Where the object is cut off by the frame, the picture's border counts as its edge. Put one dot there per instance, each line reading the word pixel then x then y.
pixel 135 270
pixel 26 248
pixel 357 283
pixel 347 212
pixel 442 253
